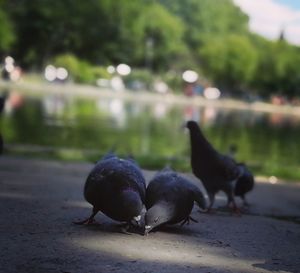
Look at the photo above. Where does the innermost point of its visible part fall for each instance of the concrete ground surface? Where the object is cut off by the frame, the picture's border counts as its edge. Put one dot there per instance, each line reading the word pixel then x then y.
pixel 40 199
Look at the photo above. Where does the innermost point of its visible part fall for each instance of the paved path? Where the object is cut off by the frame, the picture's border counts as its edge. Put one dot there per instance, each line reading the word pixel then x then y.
pixel 40 199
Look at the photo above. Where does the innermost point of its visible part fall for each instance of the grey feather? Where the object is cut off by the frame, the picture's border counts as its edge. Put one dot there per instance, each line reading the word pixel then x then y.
pixel 116 187
pixel 170 199
pixel 216 171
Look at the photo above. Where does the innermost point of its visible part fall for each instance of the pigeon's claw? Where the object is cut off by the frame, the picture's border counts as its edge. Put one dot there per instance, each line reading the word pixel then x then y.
pixel 88 221
pixel 193 220
pixel 187 221
pixel 234 208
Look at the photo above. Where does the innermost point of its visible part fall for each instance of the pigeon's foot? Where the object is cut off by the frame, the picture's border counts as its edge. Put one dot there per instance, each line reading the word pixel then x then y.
pixel 235 210
pixel 187 221
pixel 88 221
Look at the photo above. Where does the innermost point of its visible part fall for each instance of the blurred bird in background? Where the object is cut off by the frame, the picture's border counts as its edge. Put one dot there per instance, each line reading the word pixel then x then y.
pixel 216 171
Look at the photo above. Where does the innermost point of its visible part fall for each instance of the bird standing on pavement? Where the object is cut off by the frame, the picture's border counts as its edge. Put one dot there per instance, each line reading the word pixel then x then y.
pixel 170 200
pixel 245 182
pixel 117 188
pixel 216 171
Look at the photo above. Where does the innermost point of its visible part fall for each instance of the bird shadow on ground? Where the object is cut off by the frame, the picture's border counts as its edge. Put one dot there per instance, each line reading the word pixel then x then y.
pixel 76 249
pixel 219 212
pixel 112 227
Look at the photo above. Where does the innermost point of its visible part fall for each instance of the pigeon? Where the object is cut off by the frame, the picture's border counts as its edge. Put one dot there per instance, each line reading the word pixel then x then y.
pixel 170 200
pixel 244 184
pixel 117 188
pixel 216 171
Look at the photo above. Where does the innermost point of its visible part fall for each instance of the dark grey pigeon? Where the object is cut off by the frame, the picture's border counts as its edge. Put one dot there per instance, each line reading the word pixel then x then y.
pixel 244 184
pixel 170 200
pixel 216 171
pixel 117 188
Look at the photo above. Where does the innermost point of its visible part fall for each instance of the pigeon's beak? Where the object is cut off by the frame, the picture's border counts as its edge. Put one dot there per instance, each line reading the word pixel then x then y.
pixel 147 229
pixel 137 220
pixel 183 126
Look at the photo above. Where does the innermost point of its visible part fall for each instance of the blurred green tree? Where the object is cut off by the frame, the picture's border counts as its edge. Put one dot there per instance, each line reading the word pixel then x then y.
pixel 277 70
pixel 208 17
pixel 99 31
pixel 211 36
pixel 230 61
pixel 159 37
pixel 6 31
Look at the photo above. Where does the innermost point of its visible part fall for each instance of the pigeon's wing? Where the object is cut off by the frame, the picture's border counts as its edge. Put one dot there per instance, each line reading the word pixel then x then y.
pixel 228 168
pixel 159 189
pixel 153 193
pixel 141 185
pixel 194 191
pixel 136 178
pixel 93 187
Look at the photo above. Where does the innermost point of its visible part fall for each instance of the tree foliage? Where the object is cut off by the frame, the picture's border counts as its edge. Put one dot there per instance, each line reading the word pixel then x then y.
pixel 211 36
pixel 208 17
pixel 231 61
pixel 6 30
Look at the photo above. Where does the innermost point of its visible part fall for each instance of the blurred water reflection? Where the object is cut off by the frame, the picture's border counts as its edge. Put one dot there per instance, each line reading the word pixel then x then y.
pixel 148 129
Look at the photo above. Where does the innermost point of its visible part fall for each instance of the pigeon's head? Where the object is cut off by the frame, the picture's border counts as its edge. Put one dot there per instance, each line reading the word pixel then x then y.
pixel 156 216
pixel 131 205
pixel 191 125
pixel 137 220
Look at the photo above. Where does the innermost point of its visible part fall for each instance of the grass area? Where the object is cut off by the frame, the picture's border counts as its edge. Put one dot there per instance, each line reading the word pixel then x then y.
pixel 287 172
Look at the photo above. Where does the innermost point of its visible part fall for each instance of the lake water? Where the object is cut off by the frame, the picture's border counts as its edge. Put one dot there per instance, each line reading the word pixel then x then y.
pixel 84 129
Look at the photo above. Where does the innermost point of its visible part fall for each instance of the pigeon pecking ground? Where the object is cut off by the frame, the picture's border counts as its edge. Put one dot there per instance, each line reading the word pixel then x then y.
pixel 40 199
